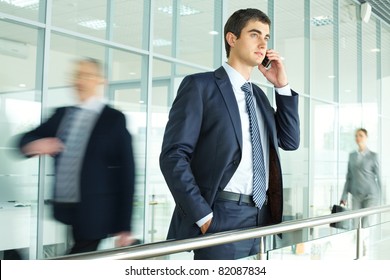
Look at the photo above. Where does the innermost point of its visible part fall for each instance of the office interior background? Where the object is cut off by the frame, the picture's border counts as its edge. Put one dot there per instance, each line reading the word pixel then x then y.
pixel 338 63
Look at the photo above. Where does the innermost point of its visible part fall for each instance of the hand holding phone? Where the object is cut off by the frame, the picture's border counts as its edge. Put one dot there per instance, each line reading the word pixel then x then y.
pixel 266 62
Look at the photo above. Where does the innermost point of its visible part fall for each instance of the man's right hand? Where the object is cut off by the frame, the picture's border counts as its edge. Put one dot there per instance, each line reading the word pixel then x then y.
pixel 45 146
pixel 205 226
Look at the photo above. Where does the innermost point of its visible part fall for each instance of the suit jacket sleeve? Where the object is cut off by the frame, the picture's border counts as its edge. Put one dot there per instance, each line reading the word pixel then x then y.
pixel 347 184
pixel 287 121
pixel 378 174
pixel 180 140
pixel 46 129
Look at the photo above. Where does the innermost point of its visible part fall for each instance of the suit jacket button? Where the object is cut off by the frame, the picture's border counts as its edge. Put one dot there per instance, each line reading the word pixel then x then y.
pixel 235 162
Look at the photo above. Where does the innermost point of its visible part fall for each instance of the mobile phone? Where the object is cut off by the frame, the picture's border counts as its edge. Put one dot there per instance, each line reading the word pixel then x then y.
pixel 266 62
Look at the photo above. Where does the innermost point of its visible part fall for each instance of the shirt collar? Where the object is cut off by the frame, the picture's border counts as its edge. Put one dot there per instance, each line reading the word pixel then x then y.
pixel 363 153
pixel 236 79
pixel 93 104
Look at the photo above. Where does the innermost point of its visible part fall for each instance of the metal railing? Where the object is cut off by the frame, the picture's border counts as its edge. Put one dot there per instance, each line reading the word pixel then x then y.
pixel 163 248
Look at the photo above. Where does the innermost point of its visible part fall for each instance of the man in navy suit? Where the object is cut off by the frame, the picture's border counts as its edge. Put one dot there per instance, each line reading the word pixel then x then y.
pixel 94 163
pixel 207 155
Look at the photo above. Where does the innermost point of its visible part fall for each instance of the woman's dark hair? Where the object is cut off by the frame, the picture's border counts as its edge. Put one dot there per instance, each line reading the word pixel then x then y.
pixel 239 19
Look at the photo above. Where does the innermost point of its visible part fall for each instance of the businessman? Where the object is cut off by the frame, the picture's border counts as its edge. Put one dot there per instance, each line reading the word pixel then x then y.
pixel 94 165
pixel 220 149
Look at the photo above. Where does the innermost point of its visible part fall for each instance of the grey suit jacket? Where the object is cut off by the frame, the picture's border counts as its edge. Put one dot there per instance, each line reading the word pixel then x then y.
pixel 363 177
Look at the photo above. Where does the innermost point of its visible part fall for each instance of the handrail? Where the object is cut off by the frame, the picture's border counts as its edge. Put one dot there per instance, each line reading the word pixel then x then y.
pixel 151 250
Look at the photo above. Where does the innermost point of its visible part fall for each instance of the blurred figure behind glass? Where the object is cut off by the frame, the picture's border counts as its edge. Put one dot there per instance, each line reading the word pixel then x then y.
pixel 363 177
pixel 94 164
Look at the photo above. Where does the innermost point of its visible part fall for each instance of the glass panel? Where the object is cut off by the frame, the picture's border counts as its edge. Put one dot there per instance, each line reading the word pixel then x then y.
pixel 348 53
pixel 128 93
pixel 128 19
pixel 385 111
pixel 86 17
pixel 295 166
pixel 127 98
pixel 126 67
pixel 385 161
pixel 290 40
pixel 375 245
pixel 27 9
pixel 385 63
pixel 163 27
pixel 324 158
pixel 192 34
pixel 19 111
pixel 19 52
pixel 160 200
pixel 336 247
pixel 322 53
pixel 370 50
pixel 370 122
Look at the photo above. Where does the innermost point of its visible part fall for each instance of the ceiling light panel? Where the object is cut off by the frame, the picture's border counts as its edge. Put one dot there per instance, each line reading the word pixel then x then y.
pixel 184 10
pixel 321 20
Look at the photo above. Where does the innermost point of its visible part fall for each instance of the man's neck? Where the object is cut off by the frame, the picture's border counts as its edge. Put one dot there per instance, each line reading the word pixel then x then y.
pixel 244 70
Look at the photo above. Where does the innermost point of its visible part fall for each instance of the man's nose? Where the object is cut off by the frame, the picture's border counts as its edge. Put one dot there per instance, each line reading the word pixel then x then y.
pixel 263 42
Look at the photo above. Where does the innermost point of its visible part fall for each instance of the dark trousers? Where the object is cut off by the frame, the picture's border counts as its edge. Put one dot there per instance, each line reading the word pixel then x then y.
pixel 65 213
pixel 83 246
pixel 229 215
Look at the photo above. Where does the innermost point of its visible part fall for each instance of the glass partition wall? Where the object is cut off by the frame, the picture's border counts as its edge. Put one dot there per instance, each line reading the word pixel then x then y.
pixel 339 65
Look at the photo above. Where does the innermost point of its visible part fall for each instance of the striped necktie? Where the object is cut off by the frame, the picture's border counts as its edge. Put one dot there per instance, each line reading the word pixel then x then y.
pixel 259 176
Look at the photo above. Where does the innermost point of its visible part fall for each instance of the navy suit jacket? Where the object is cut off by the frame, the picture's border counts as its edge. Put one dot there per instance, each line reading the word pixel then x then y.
pixel 202 146
pixel 106 180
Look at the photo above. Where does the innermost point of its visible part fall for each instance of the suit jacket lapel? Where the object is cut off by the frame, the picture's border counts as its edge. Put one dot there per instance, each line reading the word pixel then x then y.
pixel 226 90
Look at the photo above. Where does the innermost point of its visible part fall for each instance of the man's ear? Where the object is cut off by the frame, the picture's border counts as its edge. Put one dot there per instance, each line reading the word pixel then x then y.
pixel 231 39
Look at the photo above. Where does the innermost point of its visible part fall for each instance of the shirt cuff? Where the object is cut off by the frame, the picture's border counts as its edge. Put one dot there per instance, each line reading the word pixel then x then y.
pixel 286 90
pixel 202 221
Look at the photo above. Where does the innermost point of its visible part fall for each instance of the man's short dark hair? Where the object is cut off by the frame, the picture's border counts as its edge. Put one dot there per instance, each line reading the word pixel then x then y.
pixel 239 19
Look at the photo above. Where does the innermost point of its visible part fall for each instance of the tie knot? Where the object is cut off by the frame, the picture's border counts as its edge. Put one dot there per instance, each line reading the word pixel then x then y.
pixel 246 88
